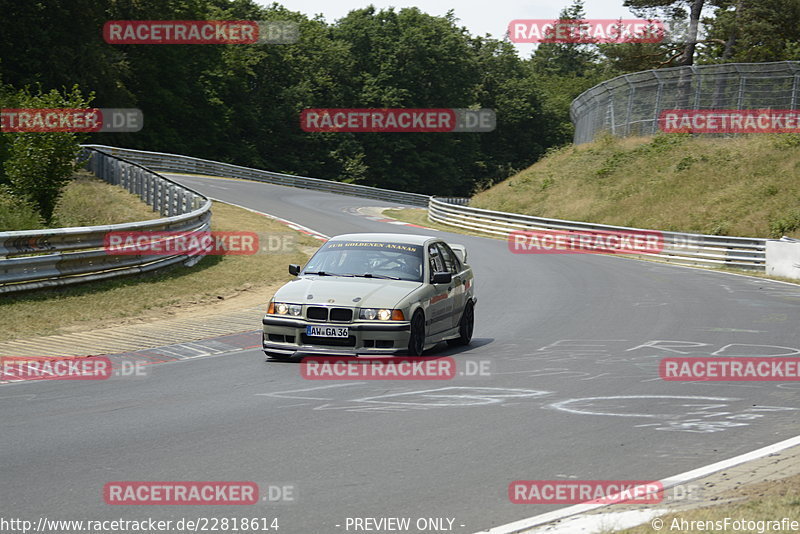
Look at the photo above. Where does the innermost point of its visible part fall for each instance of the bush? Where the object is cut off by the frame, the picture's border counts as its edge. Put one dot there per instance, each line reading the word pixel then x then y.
pixel 786 224
pixel 36 166
pixel 17 214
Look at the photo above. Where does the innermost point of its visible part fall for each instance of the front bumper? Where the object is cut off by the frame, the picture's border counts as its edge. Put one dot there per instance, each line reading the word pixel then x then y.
pixel 287 337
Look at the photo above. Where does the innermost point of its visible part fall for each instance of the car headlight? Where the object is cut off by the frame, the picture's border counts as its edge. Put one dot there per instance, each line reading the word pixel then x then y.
pixel 282 308
pixel 372 314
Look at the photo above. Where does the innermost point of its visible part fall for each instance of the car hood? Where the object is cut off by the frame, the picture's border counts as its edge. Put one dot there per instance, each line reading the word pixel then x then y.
pixel 342 291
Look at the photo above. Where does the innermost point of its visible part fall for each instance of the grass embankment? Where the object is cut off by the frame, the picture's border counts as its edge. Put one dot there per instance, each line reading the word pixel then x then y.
pixel 764 502
pixel 744 186
pixel 87 201
pixel 216 282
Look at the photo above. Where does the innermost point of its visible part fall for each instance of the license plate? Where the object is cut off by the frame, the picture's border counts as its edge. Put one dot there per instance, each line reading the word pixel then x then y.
pixel 327 331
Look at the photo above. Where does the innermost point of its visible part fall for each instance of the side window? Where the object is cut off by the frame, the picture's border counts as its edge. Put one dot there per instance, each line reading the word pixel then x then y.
pixel 451 262
pixel 437 264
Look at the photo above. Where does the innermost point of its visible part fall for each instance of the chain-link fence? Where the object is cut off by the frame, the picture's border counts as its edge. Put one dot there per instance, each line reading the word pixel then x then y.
pixel 630 104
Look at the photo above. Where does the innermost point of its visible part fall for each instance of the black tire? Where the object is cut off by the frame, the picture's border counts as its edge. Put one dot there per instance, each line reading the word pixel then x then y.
pixel 465 327
pixel 416 341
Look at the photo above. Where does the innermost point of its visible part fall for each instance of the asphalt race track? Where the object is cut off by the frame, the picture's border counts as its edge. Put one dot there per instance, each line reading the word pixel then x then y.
pixel 573 342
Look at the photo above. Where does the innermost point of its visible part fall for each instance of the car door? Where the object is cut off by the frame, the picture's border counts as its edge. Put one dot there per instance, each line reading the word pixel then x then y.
pixel 456 292
pixel 440 306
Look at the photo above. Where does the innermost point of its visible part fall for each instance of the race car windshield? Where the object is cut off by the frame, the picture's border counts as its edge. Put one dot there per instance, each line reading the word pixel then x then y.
pixel 369 259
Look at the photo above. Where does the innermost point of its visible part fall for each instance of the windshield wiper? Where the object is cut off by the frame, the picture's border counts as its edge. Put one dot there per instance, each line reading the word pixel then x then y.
pixel 323 273
pixel 383 276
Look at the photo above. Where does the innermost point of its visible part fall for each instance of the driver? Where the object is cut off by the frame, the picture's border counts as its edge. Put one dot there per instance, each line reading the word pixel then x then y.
pixel 412 265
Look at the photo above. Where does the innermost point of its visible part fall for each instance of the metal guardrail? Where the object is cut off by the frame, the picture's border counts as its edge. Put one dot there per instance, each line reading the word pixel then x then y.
pixel 33 259
pixel 45 258
pixel 680 248
pixel 458 201
pixel 630 104
pixel 177 163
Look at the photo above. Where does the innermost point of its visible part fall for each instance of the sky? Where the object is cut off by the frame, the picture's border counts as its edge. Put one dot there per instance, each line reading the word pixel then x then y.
pixel 479 17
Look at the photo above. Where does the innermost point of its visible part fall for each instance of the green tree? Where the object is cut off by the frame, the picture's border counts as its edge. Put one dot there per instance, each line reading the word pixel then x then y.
pixel 38 165
pixel 525 129
pixel 565 58
pixel 412 60
pixel 55 44
pixel 754 31
pixel 242 103
pixel 679 13
pixel 560 72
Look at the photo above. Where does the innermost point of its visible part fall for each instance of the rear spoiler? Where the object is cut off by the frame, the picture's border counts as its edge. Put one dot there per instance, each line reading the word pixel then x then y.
pixel 461 252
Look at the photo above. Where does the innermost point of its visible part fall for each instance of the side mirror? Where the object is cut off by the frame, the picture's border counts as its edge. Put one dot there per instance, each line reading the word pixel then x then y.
pixel 294 269
pixel 442 278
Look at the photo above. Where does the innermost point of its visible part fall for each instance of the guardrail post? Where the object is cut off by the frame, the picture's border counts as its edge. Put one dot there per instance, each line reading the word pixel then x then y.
pixel 157 196
pixel 151 183
pixel 170 200
pixel 164 199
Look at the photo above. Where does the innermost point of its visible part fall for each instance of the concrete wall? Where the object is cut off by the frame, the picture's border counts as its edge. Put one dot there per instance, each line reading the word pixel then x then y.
pixel 783 257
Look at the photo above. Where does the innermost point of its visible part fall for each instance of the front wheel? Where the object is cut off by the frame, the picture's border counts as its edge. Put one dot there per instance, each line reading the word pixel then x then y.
pixel 416 342
pixel 465 327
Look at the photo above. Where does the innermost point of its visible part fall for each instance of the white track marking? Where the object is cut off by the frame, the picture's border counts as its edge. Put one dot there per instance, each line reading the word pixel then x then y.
pixel 284 394
pixel 525 524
